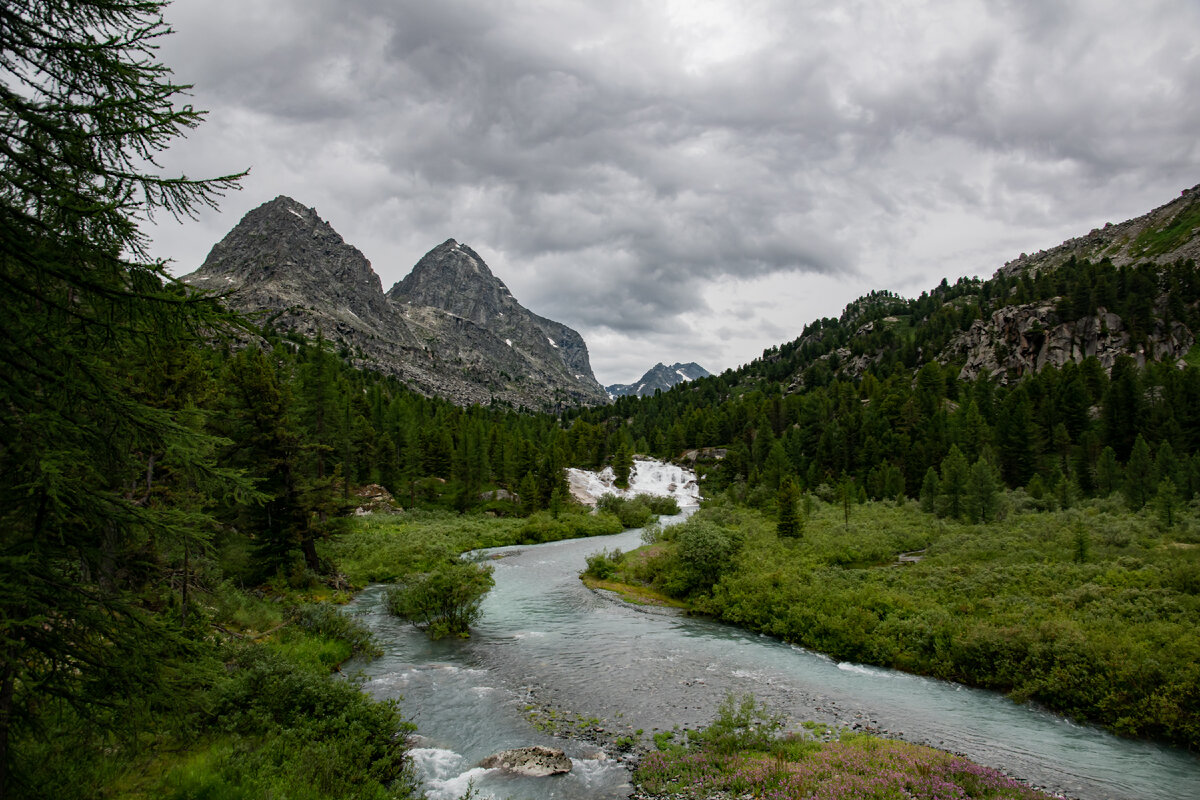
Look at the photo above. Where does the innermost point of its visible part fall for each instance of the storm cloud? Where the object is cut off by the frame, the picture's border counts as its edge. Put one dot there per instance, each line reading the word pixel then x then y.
pixel 691 180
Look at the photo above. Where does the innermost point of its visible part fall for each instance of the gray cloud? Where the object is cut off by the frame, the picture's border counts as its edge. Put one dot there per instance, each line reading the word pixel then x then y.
pixel 617 162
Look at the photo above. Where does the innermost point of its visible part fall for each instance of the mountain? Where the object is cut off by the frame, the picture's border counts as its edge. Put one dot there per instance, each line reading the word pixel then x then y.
pixel 659 378
pixel 1127 289
pixel 451 328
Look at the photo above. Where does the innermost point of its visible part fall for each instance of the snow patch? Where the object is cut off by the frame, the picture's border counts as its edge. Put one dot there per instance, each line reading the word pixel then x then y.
pixel 297 213
pixel 551 341
pixel 648 476
pixel 508 342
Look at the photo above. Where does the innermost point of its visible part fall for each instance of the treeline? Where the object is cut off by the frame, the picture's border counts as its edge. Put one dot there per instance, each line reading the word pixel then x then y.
pixel 1065 432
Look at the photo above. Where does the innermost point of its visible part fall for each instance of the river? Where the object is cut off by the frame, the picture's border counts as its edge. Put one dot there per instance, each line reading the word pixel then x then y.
pixel 546 642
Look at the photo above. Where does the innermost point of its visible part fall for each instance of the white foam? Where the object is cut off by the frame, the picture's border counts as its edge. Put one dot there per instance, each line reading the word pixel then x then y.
pixel 859 669
pixel 436 763
pixel 457 786
pixel 648 476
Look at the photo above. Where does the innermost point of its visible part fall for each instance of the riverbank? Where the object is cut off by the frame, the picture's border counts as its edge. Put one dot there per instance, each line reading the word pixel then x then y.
pixel 597 666
pixel 1108 638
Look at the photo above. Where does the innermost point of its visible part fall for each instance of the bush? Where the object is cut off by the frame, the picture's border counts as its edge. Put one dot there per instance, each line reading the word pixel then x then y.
pixel 314 737
pixel 706 550
pixel 637 511
pixel 603 565
pixel 742 725
pixel 329 621
pixel 445 601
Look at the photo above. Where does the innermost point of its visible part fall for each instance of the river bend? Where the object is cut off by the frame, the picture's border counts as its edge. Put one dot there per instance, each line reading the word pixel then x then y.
pixel 545 640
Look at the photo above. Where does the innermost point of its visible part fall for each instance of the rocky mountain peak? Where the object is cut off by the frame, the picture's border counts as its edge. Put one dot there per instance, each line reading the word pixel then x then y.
pixel 450 328
pixel 660 377
pixel 283 254
pixel 454 278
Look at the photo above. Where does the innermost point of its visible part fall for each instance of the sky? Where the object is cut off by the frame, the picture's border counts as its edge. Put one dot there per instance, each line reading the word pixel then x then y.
pixel 690 180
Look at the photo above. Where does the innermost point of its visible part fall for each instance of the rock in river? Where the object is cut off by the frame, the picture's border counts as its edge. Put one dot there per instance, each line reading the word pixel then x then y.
pixel 535 761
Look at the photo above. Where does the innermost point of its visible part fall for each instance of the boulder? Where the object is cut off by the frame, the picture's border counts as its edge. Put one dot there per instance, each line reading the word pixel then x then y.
pixel 534 761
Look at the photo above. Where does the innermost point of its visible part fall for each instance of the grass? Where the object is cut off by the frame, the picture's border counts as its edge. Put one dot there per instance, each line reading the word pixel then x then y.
pixel 1150 243
pixel 635 594
pixel 742 754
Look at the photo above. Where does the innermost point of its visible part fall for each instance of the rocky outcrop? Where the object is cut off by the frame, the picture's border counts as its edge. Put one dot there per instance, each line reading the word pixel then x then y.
pixel 374 499
pixel 659 378
pixel 1165 235
pixel 450 328
pixel 1020 340
pixel 534 761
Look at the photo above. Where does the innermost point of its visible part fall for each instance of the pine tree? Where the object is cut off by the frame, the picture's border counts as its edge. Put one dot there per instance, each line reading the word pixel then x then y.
pixel 1108 472
pixel 929 491
pixel 622 465
pixel 1140 479
pixel 953 487
pixel 983 496
pixel 789 525
pixel 84 108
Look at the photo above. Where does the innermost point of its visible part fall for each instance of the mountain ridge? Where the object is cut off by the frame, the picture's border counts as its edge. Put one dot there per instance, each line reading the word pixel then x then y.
pixel 450 328
pixel 660 377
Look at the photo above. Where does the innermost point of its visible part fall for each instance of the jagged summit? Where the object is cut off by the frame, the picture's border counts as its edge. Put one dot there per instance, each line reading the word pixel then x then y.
pixel 450 328
pixel 454 278
pixel 660 377
pixel 282 254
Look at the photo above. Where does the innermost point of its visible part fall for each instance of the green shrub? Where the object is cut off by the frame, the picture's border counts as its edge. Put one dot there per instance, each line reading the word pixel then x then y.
pixel 445 601
pixel 602 565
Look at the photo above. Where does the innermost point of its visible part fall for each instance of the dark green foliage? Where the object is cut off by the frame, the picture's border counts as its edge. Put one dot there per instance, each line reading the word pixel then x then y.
pixel 622 464
pixel 315 737
pixel 954 484
pixel 1140 479
pixel 930 488
pixel 789 524
pixel 444 601
pixel 983 492
pixel 105 463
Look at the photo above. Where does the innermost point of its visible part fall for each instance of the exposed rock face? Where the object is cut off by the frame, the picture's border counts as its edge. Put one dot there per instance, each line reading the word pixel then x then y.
pixel 659 378
pixel 1166 234
pixel 450 328
pixel 1020 340
pixel 535 761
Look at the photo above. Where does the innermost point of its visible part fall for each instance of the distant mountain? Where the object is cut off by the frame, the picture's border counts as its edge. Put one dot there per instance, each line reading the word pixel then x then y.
pixel 659 378
pixel 451 328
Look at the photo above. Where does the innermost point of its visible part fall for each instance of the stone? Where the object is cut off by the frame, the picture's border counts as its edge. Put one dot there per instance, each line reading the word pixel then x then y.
pixel 534 761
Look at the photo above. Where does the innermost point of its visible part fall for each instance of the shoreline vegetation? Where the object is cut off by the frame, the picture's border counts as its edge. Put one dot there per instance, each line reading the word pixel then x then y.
pixel 1088 611
pixel 745 753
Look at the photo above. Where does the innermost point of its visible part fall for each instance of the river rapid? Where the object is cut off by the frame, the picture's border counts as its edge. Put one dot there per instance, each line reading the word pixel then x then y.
pixel 545 642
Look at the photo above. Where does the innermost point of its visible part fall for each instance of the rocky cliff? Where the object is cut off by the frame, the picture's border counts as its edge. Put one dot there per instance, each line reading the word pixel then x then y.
pixel 1019 340
pixel 450 328
pixel 659 378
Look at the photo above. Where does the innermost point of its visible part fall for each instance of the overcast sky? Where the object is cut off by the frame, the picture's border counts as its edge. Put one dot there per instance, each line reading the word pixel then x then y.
pixel 691 180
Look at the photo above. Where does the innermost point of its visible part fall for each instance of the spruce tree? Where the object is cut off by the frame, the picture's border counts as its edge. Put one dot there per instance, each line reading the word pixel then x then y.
pixel 1140 479
pixel 954 485
pixel 790 524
